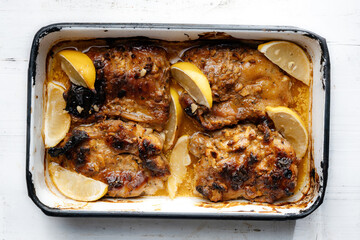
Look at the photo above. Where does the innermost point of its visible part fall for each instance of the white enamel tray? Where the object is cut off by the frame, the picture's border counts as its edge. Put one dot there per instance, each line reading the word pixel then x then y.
pixel 51 202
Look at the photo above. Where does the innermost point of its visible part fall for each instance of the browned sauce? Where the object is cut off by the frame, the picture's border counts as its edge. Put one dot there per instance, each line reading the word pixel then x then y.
pixel 300 92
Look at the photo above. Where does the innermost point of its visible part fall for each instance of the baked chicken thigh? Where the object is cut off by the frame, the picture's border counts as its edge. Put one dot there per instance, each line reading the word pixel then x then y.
pixel 248 161
pixel 124 155
pixel 243 82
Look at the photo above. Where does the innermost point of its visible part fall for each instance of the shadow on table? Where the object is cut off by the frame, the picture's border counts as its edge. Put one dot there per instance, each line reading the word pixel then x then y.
pixel 131 228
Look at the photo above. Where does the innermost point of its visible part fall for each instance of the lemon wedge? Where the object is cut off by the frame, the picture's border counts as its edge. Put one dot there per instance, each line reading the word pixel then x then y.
pixel 76 186
pixel 57 120
pixel 193 81
pixel 173 124
pixel 289 57
pixel 179 159
pixel 290 125
pixel 78 67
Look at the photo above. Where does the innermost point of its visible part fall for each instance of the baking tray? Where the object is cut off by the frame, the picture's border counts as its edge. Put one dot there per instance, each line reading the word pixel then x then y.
pixel 46 197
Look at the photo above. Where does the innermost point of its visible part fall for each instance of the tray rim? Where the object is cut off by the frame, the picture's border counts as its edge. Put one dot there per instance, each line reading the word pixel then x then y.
pixel 325 59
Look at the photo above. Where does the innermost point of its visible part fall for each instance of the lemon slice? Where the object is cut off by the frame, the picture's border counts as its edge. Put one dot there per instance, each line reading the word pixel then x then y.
pixel 76 186
pixel 289 57
pixel 78 67
pixel 193 81
pixel 173 124
pixel 57 120
pixel 290 125
pixel 179 159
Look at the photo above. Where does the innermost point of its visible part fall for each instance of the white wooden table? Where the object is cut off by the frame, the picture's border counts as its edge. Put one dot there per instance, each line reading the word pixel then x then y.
pixel 337 21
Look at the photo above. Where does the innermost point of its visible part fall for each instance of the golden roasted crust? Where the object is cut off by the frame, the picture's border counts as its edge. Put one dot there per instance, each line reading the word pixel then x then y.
pixel 243 82
pixel 247 161
pixel 126 156
pixel 136 82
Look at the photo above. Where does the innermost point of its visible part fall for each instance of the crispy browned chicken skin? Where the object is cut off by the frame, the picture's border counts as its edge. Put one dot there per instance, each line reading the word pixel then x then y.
pixel 132 83
pixel 246 161
pixel 124 155
pixel 243 82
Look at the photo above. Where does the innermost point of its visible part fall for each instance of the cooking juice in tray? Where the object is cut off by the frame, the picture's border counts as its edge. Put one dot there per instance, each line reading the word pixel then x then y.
pixel 122 130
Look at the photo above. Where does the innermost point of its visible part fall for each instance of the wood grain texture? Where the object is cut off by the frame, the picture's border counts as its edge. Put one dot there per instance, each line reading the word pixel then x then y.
pixel 337 21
